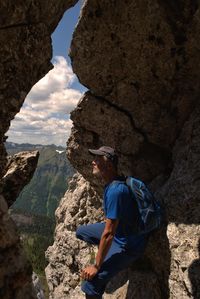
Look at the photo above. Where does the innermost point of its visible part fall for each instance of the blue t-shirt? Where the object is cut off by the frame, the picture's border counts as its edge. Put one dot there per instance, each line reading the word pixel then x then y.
pixel 119 204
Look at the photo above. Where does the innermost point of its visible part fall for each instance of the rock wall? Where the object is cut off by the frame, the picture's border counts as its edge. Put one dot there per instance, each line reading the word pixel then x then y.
pixel 15 277
pixel 133 60
pixel 79 204
pixel 25 38
pixel 19 171
pixel 140 61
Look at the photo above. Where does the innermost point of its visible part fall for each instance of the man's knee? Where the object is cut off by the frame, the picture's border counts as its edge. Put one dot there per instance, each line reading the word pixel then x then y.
pixel 80 232
pixel 90 233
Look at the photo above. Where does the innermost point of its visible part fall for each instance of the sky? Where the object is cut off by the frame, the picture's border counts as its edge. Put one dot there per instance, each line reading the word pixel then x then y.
pixel 44 116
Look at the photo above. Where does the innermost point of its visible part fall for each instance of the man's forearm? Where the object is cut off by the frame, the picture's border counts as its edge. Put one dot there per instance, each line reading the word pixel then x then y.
pixel 104 246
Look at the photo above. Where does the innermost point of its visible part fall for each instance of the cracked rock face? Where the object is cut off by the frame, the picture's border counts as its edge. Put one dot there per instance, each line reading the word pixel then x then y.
pixel 25 38
pixel 181 194
pixel 67 255
pixel 170 268
pixel 25 49
pixel 15 277
pixel 97 122
pixel 139 64
pixel 20 169
pixel 139 61
pixel 140 56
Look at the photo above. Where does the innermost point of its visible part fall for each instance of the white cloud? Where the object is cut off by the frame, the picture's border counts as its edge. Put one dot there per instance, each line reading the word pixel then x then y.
pixel 44 117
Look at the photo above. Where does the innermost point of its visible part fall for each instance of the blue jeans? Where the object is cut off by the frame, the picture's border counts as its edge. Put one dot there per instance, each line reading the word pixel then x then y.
pixel 117 258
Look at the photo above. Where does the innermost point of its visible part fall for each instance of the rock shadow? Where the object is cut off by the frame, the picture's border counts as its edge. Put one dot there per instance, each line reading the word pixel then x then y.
pixel 194 276
pixel 142 279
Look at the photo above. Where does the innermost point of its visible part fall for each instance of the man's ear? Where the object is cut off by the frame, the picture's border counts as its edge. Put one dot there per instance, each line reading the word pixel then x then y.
pixel 110 165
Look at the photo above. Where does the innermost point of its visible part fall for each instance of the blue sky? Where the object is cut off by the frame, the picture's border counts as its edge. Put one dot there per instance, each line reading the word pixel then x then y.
pixel 44 117
pixel 61 38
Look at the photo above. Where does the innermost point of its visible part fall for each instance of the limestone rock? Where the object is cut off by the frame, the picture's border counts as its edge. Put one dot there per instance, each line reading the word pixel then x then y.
pixel 174 256
pixel 30 12
pixel 20 169
pixel 140 62
pixel 15 270
pixel 133 285
pixel 25 49
pixel 97 122
pixel 3 155
pixel 37 286
pixel 68 255
pixel 25 38
pixel 181 195
pixel 170 268
pixel 140 56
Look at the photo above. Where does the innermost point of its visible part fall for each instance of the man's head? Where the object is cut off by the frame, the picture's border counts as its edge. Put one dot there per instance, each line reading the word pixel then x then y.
pixel 105 161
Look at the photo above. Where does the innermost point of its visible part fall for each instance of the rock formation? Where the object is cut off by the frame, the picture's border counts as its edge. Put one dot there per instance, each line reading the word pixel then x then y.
pixel 19 171
pixel 15 278
pixel 139 61
pixel 25 49
pixel 79 204
pixel 38 286
pixel 25 38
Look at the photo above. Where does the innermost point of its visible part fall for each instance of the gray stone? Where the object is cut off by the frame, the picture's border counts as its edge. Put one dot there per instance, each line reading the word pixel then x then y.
pixel 140 56
pixel 26 52
pixel 37 286
pixel 19 171
pixel 140 62
pixel 67 255
pixel 25 49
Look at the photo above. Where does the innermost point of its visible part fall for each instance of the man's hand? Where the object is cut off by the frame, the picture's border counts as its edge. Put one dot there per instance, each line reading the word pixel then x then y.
pixel 106 240
pixel 89 272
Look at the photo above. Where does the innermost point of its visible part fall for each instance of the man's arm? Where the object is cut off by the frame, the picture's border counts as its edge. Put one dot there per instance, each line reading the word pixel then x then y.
pixel 106 240
pixel 104 246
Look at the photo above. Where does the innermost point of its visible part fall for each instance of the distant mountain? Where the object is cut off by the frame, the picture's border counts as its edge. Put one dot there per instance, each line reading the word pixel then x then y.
pixel 49 183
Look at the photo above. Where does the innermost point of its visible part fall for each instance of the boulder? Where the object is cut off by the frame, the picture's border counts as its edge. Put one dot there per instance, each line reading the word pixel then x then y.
pixel 19 171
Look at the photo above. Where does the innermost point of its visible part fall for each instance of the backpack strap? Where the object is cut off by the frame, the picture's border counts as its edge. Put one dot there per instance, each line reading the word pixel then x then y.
pixel 134 230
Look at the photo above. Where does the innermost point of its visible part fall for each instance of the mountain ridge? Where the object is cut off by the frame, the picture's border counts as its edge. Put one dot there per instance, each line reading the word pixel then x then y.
pixel 49 183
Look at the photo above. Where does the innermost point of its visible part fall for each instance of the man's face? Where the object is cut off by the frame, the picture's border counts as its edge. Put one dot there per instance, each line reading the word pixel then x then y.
pixel 100 165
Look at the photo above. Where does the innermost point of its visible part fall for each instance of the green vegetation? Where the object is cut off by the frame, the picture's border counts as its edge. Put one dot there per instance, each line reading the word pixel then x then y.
pixel 35 246
pixel 35 207
pixel 49 183
pixel 36 238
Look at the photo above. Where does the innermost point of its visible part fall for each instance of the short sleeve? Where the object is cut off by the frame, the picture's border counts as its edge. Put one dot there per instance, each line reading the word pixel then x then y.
pixel 113 204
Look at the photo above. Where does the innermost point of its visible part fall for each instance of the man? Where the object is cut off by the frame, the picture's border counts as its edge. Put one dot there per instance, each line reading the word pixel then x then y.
pixel 118 243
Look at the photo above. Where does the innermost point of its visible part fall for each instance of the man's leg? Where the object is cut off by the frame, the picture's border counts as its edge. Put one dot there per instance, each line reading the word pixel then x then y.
pixel 116 260
pixel 90 233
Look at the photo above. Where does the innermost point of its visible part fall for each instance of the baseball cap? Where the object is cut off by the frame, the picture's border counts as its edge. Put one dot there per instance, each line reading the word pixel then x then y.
pixel 107 151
